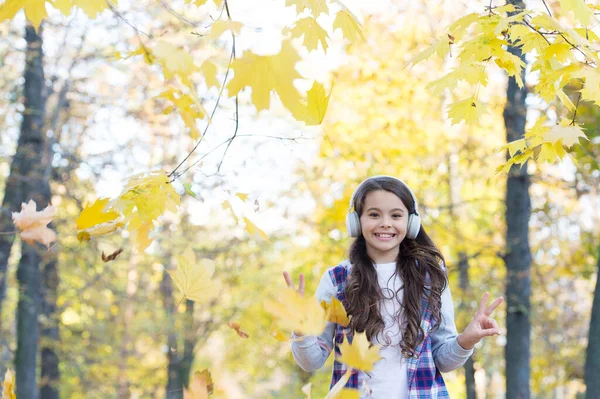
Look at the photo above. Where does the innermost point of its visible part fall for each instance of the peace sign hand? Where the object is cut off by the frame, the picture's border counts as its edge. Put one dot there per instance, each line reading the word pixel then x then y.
pixel 482 325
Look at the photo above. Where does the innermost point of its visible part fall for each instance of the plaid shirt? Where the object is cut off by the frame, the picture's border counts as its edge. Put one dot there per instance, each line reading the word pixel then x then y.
pixel 424 379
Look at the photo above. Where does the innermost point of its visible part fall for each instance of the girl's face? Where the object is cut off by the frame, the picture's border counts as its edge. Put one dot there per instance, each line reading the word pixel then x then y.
pixel 383 223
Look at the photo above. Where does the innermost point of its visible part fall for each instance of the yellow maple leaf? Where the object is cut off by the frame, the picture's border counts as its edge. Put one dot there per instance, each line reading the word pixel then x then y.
pixel 316 6
pixel 193 278
pixel 145 198
pixel 469 110
pixel 277 334
pixel 92 8
pixel 312 32
pixel 441 48
pixel 561 52
pixel 200 386
pixel 359 355
pixel 33 223
pixel 568 134
pixel 590 91
pixel 64 6
pixel 221 26
pixel 313 111
pixel 348 23
pixel 547 153
pixel 295 312
pixel 188 109
pixel 209 71
pixel 512 64
pixel 339 386
pixel 265 74
pixel 8 386
pixel 35 11
pixel 94 221
pixel 581 11
pixel 254 230
pixel 174 61
pixel 335 312
pixel 527 39
pixel 348 393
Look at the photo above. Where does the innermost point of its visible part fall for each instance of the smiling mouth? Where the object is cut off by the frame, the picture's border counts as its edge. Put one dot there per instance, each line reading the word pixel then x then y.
pixel 385 235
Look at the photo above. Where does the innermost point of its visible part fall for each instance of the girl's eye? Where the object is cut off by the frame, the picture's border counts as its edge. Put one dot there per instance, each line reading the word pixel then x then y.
pixel 397 215
pixel 373 214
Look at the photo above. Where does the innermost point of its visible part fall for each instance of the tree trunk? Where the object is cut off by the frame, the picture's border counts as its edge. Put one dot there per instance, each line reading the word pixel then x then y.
pixel 49 332
pixel 124 388
pixel 518 254
pixel 592 361
pixel 174 388
pixel 179 365
pixel 28 179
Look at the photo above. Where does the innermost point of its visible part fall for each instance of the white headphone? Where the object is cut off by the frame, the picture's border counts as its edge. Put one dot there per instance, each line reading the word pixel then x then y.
pixel 353 219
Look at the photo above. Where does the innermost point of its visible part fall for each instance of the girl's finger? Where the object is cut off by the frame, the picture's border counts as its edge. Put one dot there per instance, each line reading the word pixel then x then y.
pixel 482 303
pixel 288 280
pixel 301 284
pixel 493 306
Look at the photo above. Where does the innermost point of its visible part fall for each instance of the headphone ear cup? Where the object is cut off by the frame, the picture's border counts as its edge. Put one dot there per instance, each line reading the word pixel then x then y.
pixel 353 224
pixel 414 226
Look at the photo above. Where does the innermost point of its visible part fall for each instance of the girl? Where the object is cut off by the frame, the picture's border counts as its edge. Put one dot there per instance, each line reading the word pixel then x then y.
pixel 395 287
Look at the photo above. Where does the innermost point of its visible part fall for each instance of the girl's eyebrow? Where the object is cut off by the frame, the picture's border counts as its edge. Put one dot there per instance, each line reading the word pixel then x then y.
pixel 373 208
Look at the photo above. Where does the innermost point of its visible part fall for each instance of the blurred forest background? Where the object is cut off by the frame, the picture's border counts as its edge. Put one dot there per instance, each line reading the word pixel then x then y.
pixel 117 329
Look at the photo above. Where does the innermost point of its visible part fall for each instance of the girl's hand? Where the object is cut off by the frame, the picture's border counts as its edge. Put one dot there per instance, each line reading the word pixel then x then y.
pixel 482 325
pixel 290 283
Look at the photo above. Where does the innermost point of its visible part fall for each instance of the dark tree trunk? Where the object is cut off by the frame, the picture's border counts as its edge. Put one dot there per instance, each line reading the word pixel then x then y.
pixel 592 360
pixel 27 177
pixel 179 364
pixel 49 332
pixel 518 254
pixel 174 385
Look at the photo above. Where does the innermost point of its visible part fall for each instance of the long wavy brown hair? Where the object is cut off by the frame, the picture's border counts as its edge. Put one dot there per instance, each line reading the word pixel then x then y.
pixel 416 259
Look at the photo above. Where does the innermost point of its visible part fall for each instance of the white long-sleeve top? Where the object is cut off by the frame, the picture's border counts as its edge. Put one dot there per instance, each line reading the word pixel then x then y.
pixel 388 379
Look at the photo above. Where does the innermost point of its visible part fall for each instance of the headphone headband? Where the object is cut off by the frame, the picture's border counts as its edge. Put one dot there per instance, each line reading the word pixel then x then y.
pixel 352 205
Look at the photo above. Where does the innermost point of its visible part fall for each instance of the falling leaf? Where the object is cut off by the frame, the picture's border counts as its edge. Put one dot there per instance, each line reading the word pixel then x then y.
pixel 348 393
pixel 8 386
pixel 254 230
pixel 236 327
pixel 359 355
pixel 306 390
pixel 33 224
pixel 200 386
pixel 112 256
pixel 194 279
pixel 295 312
pixel 339 386
pixel 226 205
pixel 94 220
pixel 242 196
pixel 335 312
pixel 277 334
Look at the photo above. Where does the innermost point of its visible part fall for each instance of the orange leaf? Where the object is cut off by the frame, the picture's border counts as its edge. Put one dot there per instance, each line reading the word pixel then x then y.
pixel 236 327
